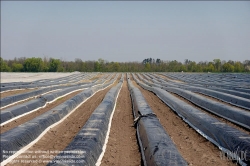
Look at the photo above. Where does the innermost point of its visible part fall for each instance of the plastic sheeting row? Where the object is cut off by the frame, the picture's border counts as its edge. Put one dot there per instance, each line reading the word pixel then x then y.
pixel 30 85
pixel 156 146
pixel 34 104
pixel 20 109
pixel 39 81
pixel 231 99
pixel 15 98
pixel 15 139
pixel 228 91
pixel 229 81
pixel 227 138
pixel 233 114
pixel 89 141
pixel 42 84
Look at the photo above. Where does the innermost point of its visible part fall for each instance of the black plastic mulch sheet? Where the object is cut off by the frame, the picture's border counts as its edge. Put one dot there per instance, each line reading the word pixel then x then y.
pixel 227 138
pixel 156 146
pixel 87 145
pixel 20 136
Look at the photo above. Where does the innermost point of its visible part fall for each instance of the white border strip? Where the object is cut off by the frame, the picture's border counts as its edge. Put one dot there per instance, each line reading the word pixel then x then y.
pixel 45 131
pixel 99 161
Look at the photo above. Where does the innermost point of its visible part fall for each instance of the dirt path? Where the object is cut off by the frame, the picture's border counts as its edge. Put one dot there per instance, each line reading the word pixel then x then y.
pixel 122 147
pixel 195 149
pixel 32 115
pixel 15 92
pixel 57 138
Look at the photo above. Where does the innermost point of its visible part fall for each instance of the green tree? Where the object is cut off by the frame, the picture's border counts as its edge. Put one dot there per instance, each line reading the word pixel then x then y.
pixel 33 65
pixel 198 68
pixel 101 65
pixel 116 66
pixel 149 64
pixel 192 66
pixel 97 66
pixel 210 67
pixel 55 65
pixel 90 66
pixel 78 64
pixel 238 67
pixel 172 66
pixel 17 67
pixel 147 67
pixel 46 64
pixel 227 67
pixel 183 68
pixel 4 67
pixel 217 64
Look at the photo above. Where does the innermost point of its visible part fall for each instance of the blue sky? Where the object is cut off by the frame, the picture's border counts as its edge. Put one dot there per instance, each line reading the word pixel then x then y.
pixel 126 31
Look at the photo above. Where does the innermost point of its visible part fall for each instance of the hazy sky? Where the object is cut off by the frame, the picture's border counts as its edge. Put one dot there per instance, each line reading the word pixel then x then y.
pixel 126 31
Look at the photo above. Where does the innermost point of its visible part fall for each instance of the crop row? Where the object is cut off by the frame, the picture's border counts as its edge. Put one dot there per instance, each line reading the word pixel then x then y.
pixel 156 145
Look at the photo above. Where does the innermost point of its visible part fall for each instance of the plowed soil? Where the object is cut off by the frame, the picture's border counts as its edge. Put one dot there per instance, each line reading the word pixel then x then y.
pixel 122 147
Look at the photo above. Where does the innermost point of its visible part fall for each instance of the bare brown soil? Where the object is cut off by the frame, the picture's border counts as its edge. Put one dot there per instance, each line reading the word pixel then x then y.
pixel 122 147
pixel 15 92
pixel 32 115
pixel 213 115
pixel 194 148
pixel 57 138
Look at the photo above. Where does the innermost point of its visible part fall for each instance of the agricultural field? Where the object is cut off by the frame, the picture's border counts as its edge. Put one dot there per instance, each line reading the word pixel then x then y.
pixel 125 119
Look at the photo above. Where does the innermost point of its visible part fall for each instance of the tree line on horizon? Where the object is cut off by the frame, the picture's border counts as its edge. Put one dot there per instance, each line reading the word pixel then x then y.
pixel 147 65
